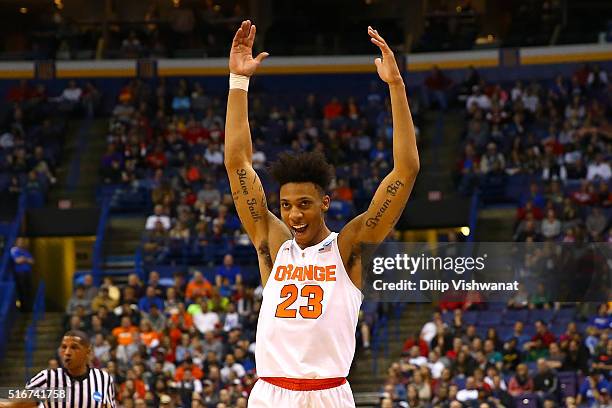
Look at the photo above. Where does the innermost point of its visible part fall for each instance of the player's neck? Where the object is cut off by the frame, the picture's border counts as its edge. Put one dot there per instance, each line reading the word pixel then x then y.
pixel 323 233
pixel 78 374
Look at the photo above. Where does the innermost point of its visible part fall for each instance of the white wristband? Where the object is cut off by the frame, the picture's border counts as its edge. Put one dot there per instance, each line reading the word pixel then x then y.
pixel 239 82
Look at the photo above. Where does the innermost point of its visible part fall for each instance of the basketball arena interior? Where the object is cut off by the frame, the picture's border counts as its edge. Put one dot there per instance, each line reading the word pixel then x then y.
pixel 117 218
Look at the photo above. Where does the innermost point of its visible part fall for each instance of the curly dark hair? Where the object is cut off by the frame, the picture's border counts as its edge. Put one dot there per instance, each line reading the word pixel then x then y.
pixel 303 167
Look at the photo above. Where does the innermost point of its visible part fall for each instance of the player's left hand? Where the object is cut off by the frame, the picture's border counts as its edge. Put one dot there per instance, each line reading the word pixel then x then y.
pixel 386 66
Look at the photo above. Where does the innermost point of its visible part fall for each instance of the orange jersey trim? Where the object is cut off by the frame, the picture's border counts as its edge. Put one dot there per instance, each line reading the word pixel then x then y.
pixel 305 384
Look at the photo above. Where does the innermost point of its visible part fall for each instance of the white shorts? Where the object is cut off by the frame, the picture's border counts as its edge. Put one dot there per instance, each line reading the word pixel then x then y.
pixel 266 395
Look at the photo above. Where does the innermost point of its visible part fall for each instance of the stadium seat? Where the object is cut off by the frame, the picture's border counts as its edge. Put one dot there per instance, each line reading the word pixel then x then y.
pixel 558 328
pixel 504 332
pixel 565 314
pixel 497 307
pixel 568 382
pixel 512 316
pixel 546 315
pixel 489 318
pixel 447 317
pixel 470 317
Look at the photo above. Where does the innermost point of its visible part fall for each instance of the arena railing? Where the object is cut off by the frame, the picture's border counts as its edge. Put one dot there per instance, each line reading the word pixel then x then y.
pixel 473 219
pixel 31 340
pixel 98 249
pixel 10 241
pixel 7 312
pixel 380 337
pixel 527 63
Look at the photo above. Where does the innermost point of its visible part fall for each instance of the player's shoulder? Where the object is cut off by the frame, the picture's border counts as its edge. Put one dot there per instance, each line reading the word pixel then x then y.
pixel 39 380
pixel 101 372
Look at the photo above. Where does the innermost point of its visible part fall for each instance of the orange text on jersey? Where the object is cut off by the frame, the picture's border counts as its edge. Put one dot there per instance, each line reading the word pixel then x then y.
pixel 308 272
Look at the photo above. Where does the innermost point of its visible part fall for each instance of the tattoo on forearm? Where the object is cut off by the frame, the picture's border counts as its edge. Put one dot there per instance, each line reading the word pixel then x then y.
pixel 373 221
pixel 392 190
pixel 242 174
pixel 252 203
pixel 394 187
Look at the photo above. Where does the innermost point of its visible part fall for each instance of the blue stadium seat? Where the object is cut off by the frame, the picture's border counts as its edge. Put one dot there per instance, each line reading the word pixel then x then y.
pixel 532 366
pixel 512 315
pixel 529 330
pixel 565 314
pixel 545 315
pixel 481 331
pixel 496 307
pixel 489 318
pixel 470 317
pixel 569 383
pixel 558 328
pixel 504 332
pixel 447 317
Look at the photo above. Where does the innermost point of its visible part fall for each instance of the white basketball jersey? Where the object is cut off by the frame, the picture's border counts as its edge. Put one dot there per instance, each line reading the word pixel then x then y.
pixel 308 317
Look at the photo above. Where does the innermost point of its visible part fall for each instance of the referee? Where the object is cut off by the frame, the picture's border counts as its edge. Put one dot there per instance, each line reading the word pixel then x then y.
pixel 84 387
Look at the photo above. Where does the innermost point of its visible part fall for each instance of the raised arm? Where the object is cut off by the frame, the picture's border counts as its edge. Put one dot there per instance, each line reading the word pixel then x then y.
pixel 265 230
pixel 391 197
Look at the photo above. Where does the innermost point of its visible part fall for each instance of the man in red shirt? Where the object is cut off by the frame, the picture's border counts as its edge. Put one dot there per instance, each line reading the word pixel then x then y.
pixel 542 334
pixel 436 87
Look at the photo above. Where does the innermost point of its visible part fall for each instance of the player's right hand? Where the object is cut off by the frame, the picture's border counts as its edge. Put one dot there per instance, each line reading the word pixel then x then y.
pixel 241 61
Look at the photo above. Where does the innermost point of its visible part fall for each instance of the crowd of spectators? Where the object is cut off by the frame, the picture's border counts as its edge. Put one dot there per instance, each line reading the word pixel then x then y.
pixel 506 356
pixel 545 146
pixel 33 127
pixel 184 342
pixel 161 31
pixel 166 143
pixel 172 342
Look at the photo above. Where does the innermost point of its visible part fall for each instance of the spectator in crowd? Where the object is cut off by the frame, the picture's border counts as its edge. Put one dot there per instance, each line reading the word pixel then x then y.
pixel 150 299
pixel 478 100
pixel 599 169
pixel 437 87
pixel 545 382
pixel 89 288
pixel 78 299
pixel 22 261
pixel 199 286
pixel 520 383
pixel 103 299
pixel 551 226
pixel 593 389
pixel 596 224
pixel 229 271
pixel 158 216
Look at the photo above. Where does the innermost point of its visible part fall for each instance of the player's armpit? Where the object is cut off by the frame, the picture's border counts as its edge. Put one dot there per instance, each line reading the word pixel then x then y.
pixel 373 226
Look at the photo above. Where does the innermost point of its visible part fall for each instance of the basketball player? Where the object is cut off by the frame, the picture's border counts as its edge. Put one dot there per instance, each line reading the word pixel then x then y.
pixel 311 276
pixel 83 386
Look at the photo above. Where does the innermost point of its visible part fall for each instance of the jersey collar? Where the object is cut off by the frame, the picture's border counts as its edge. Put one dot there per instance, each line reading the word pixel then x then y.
pixel 323 241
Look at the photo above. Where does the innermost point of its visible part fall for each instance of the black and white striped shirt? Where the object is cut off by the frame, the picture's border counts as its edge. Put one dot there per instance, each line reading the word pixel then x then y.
pixel 94 389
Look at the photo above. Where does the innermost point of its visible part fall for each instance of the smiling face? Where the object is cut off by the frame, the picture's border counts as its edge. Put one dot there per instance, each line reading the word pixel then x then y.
pixel 303 206
pixel 74 354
